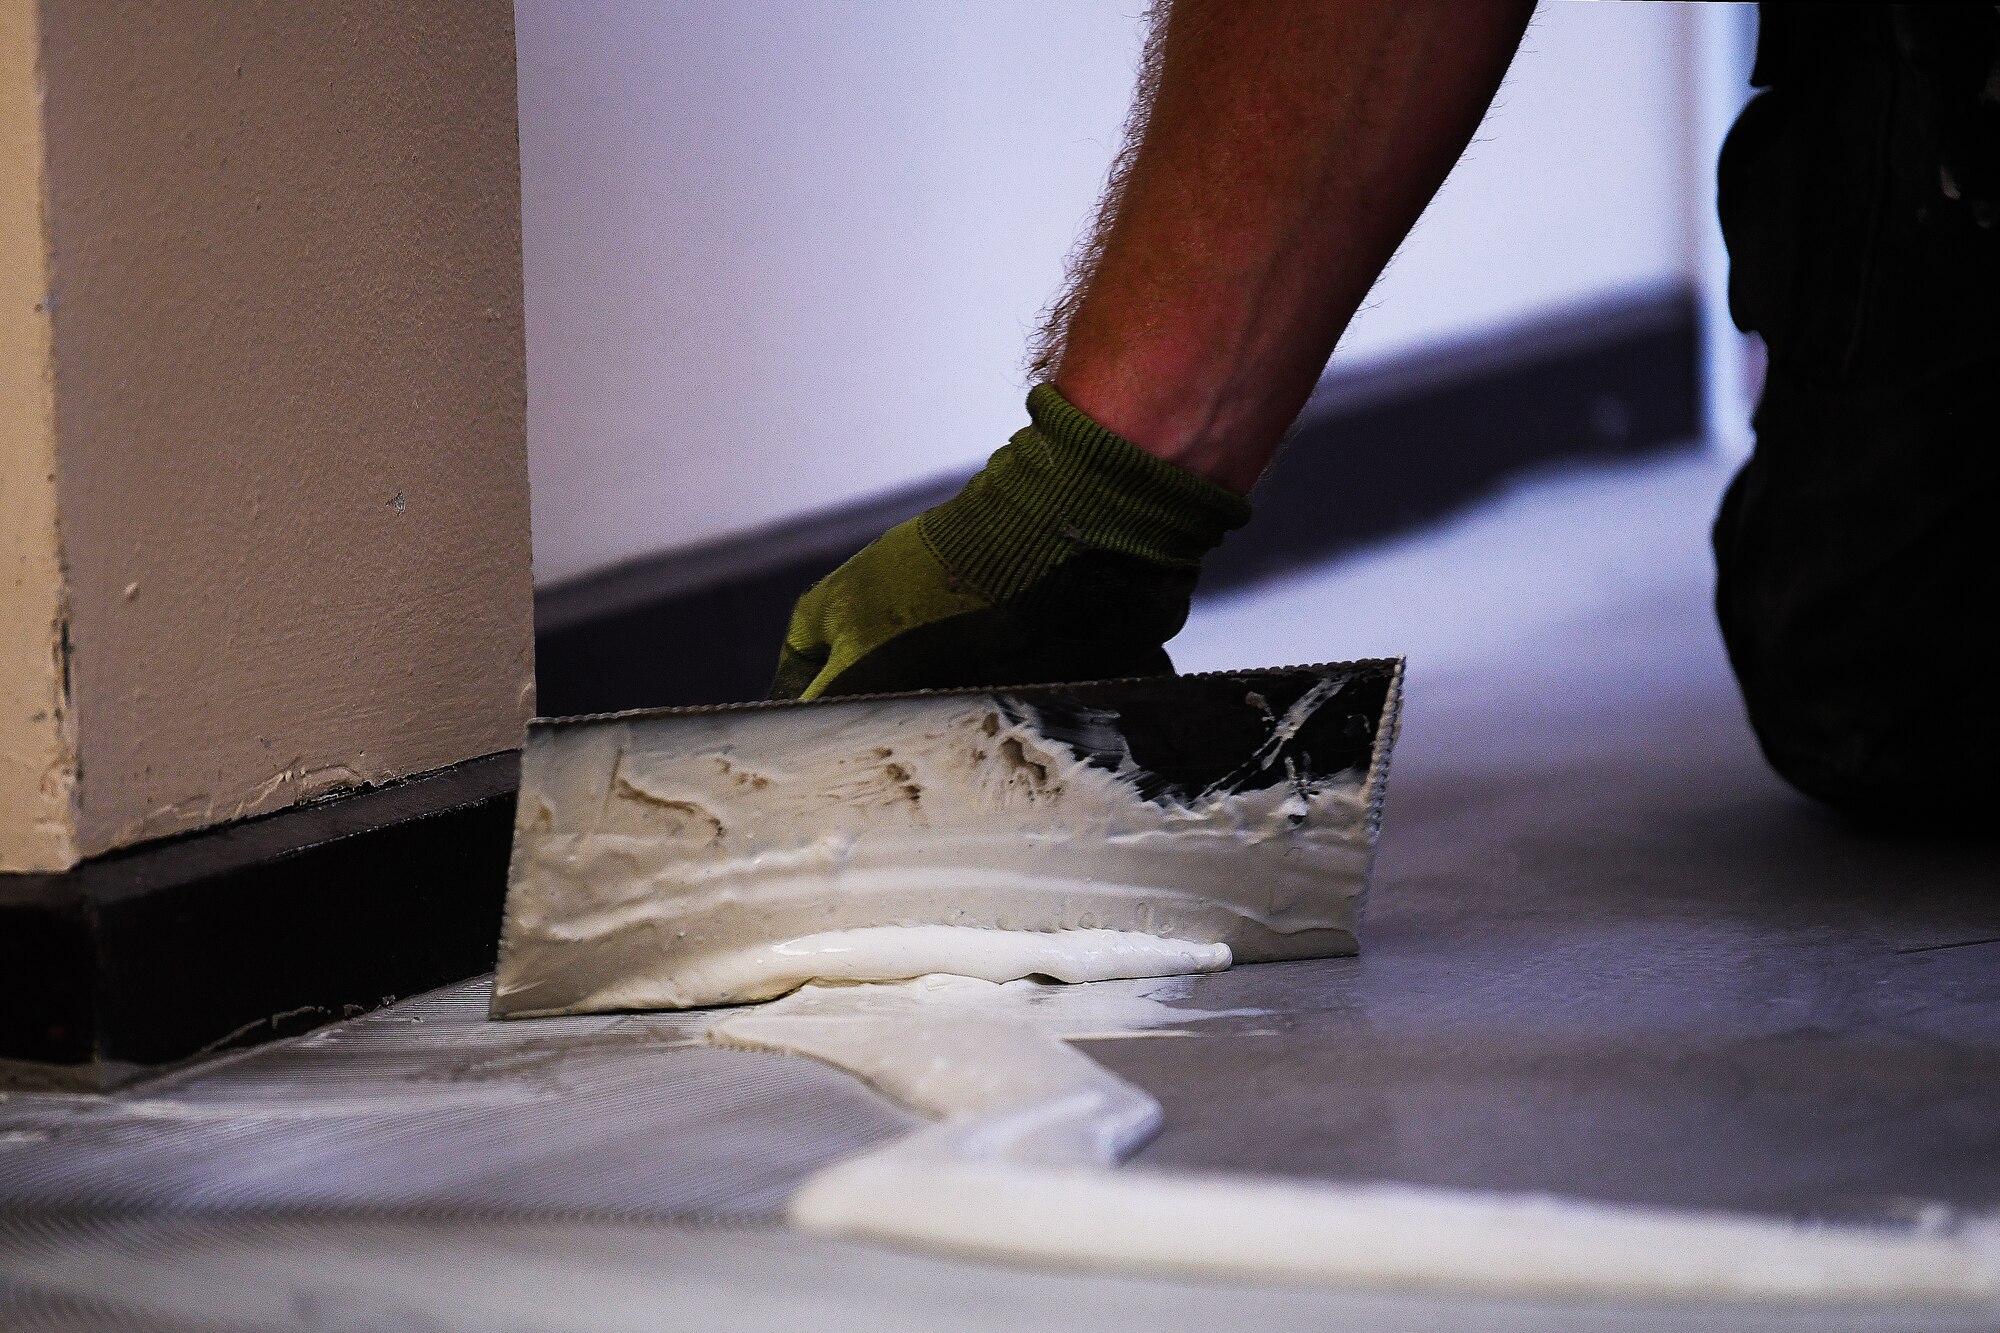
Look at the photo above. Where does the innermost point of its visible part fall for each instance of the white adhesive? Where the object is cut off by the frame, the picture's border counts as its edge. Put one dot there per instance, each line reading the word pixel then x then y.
pixel 669 862
pixel 899 953
pixel 1020 1165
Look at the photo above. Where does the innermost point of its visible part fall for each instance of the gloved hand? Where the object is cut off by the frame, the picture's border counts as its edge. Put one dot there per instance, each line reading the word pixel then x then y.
pixel 1071 556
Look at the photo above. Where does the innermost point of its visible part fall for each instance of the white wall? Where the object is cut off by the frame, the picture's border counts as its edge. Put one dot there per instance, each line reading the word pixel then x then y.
pixel 1575 187
pixel 781 254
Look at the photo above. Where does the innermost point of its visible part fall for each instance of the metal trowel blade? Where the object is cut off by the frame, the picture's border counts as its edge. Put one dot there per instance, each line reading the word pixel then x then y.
pixel 697 856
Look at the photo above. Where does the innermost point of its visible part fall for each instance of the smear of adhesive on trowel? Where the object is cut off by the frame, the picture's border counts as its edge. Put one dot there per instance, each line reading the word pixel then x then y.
pixel 1022 1164
pixel 689 860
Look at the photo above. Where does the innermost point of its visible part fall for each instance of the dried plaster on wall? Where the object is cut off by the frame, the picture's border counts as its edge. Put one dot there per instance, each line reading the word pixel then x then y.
pixel 37 764
pixel 290 399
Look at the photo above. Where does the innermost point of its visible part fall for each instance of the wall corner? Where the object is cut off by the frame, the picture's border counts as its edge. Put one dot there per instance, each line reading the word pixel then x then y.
pixel 38 764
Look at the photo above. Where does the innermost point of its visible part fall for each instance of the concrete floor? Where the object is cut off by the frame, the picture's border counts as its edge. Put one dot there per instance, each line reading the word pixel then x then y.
pixel 1608 952
pixel 1607 955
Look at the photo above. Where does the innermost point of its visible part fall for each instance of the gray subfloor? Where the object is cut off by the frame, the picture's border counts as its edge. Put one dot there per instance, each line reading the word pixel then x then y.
pixel 1607 955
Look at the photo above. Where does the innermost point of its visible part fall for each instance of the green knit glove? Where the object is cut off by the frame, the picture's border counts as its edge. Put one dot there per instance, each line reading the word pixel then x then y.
pixel 1071 556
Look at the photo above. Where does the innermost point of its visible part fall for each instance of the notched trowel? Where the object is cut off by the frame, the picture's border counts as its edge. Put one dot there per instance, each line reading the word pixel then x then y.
pixel 670 858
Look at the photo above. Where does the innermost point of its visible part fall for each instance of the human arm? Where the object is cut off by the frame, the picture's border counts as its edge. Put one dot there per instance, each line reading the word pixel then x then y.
pixel 1278 153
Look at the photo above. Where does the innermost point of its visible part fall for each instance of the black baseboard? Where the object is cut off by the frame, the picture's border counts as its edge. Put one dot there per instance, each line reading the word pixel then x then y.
pixel 1385 450
pixel 1379 450
pixel 142 959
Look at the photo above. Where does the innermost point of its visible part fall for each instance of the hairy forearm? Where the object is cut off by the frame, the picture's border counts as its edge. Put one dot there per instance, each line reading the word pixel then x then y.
pixel 1290 146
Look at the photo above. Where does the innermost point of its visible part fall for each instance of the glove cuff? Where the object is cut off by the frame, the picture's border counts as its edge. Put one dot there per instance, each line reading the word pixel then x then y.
pixel 1066 484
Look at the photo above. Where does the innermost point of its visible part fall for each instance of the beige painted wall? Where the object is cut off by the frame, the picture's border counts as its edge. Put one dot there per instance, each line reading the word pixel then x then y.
pixel 36 763
pixel 289 404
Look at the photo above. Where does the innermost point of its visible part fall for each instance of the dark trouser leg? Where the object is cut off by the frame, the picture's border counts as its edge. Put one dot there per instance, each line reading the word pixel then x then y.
pixel 1858 592
pixel 1858 557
